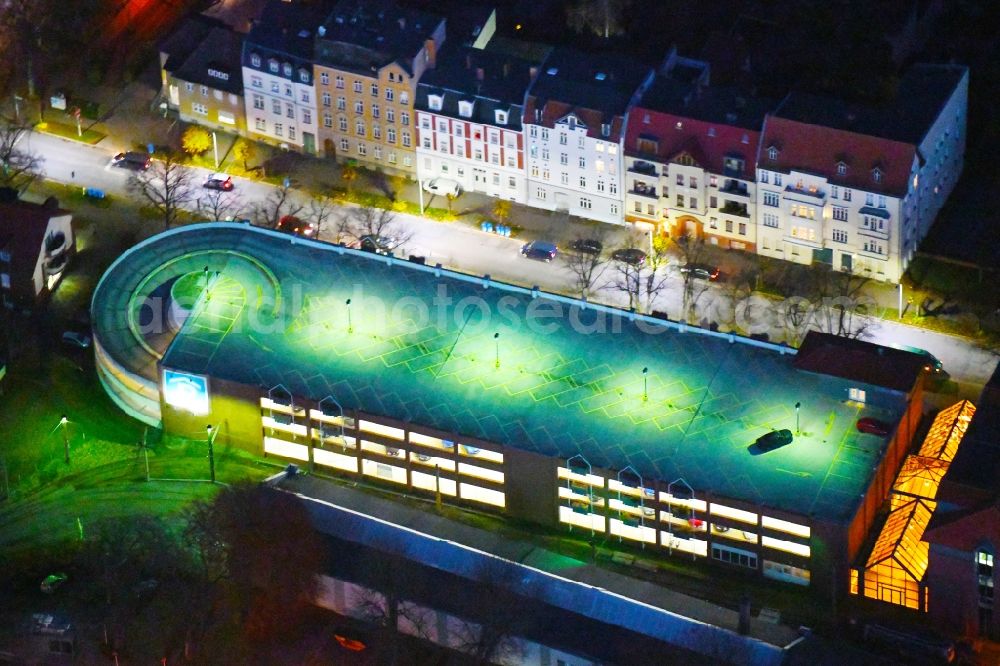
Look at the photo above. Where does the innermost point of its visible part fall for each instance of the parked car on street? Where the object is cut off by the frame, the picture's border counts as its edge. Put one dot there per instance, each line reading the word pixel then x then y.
pixel 540 250
pixel 630 256
pixel 77 339
pixel 587 246
pixel 219 181
pixel 296 225
pixel 701 271
pixel 53 582
pixel 131 159
pixel 872 426
pixel 771 441
pixel 377 244
pixel 443 186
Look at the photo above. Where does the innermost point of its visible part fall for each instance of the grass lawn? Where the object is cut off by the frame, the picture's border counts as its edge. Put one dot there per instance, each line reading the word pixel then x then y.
pixel 69 131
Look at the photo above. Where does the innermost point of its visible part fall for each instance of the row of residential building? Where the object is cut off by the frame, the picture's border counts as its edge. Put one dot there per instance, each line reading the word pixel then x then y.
pixel 805 178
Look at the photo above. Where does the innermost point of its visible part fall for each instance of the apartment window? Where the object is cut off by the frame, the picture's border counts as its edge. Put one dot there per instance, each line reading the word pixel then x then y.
pixel 288 90
pixel 834 192
pixel 545 134
pixel 404 98
pixel 729 226
pixel 841 169
pixel 586 204
pixel 376 132
pixel 546 175
pixel 345 145
pixel 357 89
pixel 406 140
pixel 342 123
pixel 276 107
pixel 404 118
pixel 377 152
pixel 763 176
pixel 256 82
pixel 600 185
pixel 772 153
pixel 541 193
pixel 692 182
pixel 390 115
pixel 803 211
pixel 304 97
pixel 881 201
pixel 583 182
pixel 583 162
pixel 877 175
pixel 613 189
pixel 375 111
pixel 260 124
pixel 362 149
pixel 680 179
pixel 258 102
pixel 847 195
pixel 279 129
pixel 777 179
pixel 743 229
pixel 465 109
pixel 869 199
pixel 392 157
pixel 638 207
pixel 255 60
pixel 713 202
pixel 614 209
pixel 324 78
pixel 984 576
pixel 407 161
pixel 840 213
pixel 693 202
pixel 200 109
pixel 804 233
pixel 275 87
pixel 287 69
pixel 327 120
pixel 839 236
pixel 771 199
pixel 390 135
pixel 563 138
pixel 434 102
pixel 307 117
pixel 291 132
pixel 390 95
pixel 341 103
pixel 340 82
pixel 511 182
pixel 374 90
pixel 501 117
pixel 533 133
pixel 359 107
pixel 534 171
pixel 713 222
pixel 359 128
pixel 290 110
pixel 680 201
pixel 426 141
pixel 563 157
pixel 327 100
pixel 874 247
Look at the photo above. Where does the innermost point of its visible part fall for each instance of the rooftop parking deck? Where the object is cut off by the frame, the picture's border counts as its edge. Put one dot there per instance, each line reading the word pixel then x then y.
pixel 560 379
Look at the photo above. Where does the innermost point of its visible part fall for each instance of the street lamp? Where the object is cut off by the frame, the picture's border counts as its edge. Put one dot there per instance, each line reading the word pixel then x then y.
pixel 798 405
pixel 64 422
pixel 211 434
pixel 496 339
pixel 215 149
pixel 645 384
pixel 350 326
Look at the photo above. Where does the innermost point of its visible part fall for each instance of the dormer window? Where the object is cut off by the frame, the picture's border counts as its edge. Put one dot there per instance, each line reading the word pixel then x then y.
pixel 304 75
pixel 645 119
pixel 679 125
pixel 772 153
pixel 272 65
pixel 745 139
pixel 255 60
pixel 501 117
pixel 434 102
pixel 711 131
pixel 465 109
pixel 605 129
pixel 877 175
pixel 841 169
pixel 287 70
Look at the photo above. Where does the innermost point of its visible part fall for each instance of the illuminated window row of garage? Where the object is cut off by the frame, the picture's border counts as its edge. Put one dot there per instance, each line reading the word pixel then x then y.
pixel 388 453
pixel 679 521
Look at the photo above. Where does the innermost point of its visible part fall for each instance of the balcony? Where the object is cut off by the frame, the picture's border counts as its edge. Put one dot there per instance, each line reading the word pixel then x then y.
pixel 735 188
pixel 733 208
pixel 644 168
pixel 806 191
pixel 643 190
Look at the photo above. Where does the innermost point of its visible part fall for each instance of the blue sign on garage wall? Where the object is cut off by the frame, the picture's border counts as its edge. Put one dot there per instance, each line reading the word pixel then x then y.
pixel 186 392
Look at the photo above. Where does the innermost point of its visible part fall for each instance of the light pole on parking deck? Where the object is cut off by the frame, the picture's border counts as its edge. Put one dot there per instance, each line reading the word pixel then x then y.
pixel 798 405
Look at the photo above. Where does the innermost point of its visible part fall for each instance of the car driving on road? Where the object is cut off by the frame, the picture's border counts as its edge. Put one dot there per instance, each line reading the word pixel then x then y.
pixel 219 181
pixel 296 225
pixel 701 271
pixel 540 250
pixel 131 159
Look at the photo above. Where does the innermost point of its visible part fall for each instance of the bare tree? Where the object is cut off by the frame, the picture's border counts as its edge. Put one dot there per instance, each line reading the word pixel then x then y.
pixel 494 637
pixel 602 17
pixel 378 225
pixel 18 168
pixel 167 185
pixel 220 205
pixel 655 279
pixel 692 250
pixel 319 212
pixel 381 602
pixel 586 264
pixel 627 278
pixel 843 309
pixel 278 204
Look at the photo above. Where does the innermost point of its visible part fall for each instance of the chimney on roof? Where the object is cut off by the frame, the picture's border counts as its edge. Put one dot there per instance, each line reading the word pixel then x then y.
pixel 480 74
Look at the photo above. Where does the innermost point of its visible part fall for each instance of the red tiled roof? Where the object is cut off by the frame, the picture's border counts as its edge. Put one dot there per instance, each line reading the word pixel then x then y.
pixel 554 111
pixel 966 530
pixel 708 151
pixel 815 149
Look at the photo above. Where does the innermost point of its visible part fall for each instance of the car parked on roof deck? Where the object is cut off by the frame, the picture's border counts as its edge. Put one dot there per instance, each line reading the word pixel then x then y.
pixel 872 426
pixel 771 441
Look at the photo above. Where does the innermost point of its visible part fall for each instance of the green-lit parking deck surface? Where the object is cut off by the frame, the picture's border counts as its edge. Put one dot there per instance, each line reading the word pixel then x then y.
pixel 422 348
